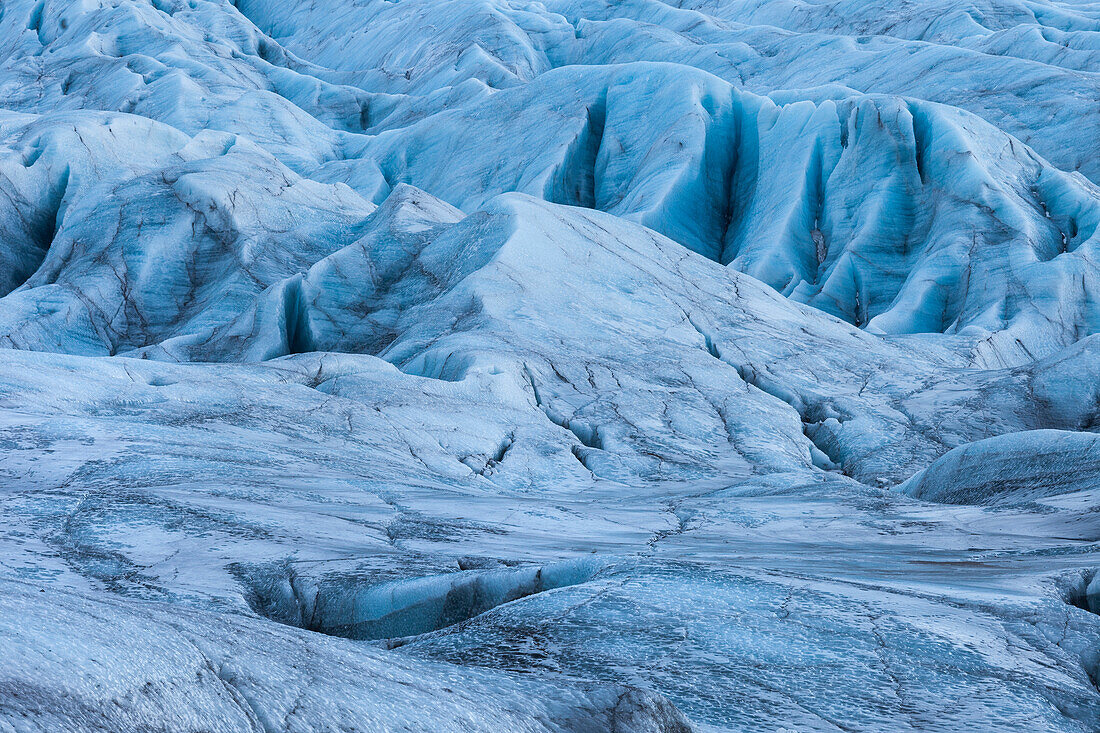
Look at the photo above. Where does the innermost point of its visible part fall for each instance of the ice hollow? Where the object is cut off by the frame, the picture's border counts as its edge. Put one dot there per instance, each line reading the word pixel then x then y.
pixel 355 608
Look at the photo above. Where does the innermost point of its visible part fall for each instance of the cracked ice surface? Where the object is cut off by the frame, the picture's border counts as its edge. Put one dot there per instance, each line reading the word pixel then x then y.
pixel 561 366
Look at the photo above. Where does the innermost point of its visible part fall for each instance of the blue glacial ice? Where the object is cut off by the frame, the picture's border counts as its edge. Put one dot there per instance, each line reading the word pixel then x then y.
pixel 486 365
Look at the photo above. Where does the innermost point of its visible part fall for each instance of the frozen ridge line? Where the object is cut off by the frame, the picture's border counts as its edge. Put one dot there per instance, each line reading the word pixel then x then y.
pixel 719 365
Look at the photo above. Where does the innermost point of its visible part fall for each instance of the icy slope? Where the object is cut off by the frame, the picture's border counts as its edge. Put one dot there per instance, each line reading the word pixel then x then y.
pixel 212 674
pixel 561 366
pixel 288 488
pixel 897 215
pixel 1025 66
pixel 904 217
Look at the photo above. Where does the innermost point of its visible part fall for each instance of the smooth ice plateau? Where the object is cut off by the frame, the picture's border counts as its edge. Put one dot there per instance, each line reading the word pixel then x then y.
pixel 643 366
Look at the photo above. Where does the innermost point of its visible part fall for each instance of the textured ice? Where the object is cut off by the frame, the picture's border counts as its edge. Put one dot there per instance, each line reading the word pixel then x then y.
pixel 559 366
pixel 1019 467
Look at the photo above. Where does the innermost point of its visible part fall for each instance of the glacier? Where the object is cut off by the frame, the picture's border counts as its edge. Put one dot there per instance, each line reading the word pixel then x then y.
pixel 574 365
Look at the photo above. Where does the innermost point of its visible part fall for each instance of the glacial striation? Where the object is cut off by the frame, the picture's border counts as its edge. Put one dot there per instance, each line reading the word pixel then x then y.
pixel 717 365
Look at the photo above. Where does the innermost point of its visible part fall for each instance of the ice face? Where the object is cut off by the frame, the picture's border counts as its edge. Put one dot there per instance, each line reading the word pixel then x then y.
pixel 562 366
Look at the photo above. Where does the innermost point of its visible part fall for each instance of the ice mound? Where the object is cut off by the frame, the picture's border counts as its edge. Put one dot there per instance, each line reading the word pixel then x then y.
pixel 1013 468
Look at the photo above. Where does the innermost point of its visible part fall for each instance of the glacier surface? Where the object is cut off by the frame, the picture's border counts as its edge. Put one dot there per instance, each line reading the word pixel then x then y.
pixel 575 365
